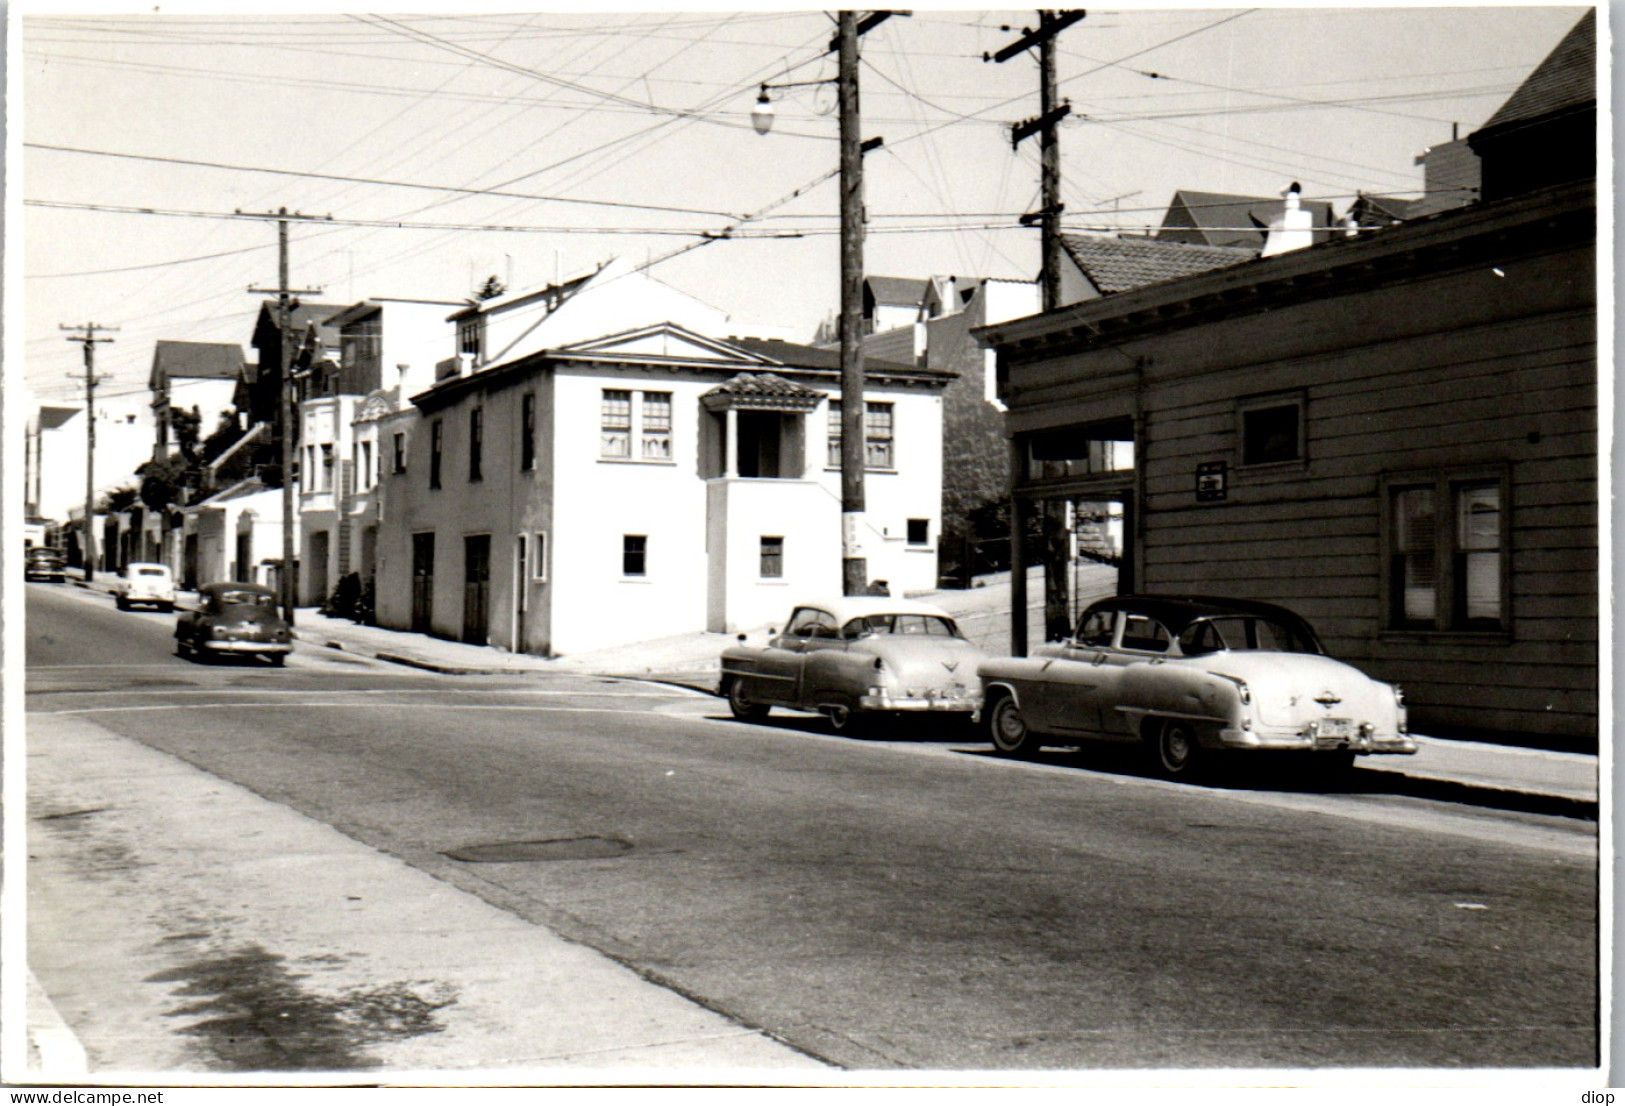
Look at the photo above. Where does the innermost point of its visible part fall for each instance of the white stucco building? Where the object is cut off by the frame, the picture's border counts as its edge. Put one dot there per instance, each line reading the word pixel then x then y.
pixel 646 483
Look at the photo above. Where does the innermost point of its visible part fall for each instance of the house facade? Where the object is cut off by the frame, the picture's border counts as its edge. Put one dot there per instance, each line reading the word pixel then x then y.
pixel 1394 434
pixel 646 484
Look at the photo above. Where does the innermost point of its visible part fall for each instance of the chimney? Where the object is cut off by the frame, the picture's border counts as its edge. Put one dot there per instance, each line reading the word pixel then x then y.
pixel 1294 229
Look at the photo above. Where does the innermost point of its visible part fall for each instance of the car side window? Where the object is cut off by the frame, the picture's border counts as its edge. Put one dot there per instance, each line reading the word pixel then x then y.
pixel 1145 635
pixel 1199 638
pixel 1096 629
pixel 811 623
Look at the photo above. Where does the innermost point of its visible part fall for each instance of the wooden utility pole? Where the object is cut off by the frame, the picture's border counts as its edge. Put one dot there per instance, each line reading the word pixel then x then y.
pixel 1050 112
pixel 288 404
pixel 87 338
pixel 854 563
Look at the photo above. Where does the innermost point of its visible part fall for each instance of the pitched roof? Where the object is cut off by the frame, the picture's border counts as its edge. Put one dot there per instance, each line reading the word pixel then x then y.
pixel 810 357
pixel 1221 219
pixel 1565 80
pixel 1119 264
pixel 195 361
pixel 52 417
pixel 896 291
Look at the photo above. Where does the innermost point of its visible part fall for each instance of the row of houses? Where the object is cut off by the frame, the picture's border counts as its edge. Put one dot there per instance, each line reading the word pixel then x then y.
pixel 1385 419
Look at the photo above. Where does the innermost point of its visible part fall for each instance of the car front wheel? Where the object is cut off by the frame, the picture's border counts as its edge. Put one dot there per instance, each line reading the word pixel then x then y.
pixel 1009 730
pixel 741 704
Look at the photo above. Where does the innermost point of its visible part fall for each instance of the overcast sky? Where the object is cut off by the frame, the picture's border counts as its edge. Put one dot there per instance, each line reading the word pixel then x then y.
pixel 521 144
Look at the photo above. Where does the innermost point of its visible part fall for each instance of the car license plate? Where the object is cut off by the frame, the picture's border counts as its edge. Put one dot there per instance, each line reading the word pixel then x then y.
pixel 1334 727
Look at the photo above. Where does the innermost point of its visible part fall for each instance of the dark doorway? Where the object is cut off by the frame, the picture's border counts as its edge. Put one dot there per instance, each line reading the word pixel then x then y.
pixel 422 581
pixel 760 435
pixel 476 588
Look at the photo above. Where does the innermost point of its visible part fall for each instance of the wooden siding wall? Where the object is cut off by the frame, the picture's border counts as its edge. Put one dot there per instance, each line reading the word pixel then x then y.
pixel 1462 370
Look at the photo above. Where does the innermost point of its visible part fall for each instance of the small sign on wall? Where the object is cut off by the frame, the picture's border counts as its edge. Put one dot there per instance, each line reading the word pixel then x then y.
pixel 1211 481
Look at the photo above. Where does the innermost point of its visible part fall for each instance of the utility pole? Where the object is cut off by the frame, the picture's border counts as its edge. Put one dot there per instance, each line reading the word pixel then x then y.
pixel 854 564
pixel 288 404
pixel 87 338
pixel 1048 217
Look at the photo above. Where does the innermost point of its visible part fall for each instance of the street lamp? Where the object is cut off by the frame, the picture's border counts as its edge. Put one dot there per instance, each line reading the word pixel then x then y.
pixel 761 116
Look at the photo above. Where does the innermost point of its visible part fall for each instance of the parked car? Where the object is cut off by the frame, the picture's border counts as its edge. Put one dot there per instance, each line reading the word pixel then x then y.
pixel 1187 677
pixel 233 618
pixel 44 563
pixel 855 657
pixel 143 584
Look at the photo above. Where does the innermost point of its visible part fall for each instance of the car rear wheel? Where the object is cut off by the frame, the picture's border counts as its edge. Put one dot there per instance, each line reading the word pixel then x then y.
pixel 741 704
pixel 1178 752
pixel 121 603
pixel 1008 729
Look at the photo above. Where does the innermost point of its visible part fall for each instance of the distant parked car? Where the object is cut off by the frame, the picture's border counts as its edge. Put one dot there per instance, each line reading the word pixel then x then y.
pixel 232 618
pixel 853 657
pixel 142 584
pixel 1187 677
pixel 44 563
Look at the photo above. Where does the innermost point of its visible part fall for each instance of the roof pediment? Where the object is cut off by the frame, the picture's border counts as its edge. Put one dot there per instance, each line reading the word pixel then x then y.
pixel 666 341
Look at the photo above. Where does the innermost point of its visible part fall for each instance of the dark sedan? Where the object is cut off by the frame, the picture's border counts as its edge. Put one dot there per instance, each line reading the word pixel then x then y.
pixel 45 563
pixel 234 619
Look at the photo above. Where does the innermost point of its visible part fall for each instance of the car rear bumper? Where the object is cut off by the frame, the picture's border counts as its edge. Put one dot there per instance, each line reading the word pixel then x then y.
pixel 883 701
pixel 1277 739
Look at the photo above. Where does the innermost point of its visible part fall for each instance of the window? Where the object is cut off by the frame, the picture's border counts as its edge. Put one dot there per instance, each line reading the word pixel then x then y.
pixel 471 335
pixel 327 467
pixel 1446 544
pixel 527 431
pixel 1096 629
pixel 1271 431
pixel 634 555
pixel 1144 634
pixel 919 531
pixel 437 444
pixel 877 436
pixel 772 558
pixel 615 424
pixel 538 564
pixel 657 426
pixel 367 476
pixel 476 443
pixel 400 452
pixel 650 426
pixel 361 347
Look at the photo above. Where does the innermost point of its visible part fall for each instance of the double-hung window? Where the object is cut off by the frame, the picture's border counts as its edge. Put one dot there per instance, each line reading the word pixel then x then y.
pixel 627 416
pixel 634 555
pixel 879 435
pixel 476 444
pixel 437 449
pixel 527 431
pixel 1447 553
pixel 772 557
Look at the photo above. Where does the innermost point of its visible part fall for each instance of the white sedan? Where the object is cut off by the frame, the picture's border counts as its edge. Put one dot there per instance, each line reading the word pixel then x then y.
pixel 1188 676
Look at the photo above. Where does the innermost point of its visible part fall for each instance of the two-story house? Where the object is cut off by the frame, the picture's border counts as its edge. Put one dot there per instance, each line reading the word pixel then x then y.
pixel 643 484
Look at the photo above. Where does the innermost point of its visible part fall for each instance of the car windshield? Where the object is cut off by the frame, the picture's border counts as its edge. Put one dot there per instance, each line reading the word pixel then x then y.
pixel 151 571
pixel 928 625
pixel 1237 633
pixel 246 599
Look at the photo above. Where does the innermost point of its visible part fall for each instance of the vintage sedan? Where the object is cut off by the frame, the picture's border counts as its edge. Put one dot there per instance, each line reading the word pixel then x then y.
pixel 1187 677
pixel 856 658
pixel 234 619
pixel 45 563
pixel 143 584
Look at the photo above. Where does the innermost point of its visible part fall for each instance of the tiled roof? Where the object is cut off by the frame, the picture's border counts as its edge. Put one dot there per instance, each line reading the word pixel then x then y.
pixel 761 390
pixel 1567 78
pixel 1119 264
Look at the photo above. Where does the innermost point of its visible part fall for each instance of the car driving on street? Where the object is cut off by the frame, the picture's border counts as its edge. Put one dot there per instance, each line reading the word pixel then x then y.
pixel 856 658
pixel 143 584
pixel 45 563
pixel 1188 677
pixel 234 619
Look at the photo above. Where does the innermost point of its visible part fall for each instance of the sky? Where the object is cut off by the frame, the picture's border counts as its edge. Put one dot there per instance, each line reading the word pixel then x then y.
pixel 432 151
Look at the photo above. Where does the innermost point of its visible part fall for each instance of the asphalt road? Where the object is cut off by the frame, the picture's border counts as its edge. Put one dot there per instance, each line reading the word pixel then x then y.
pixel 902 903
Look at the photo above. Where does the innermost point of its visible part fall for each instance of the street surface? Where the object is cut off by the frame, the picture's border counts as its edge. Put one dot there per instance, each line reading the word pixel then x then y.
pixel 907 901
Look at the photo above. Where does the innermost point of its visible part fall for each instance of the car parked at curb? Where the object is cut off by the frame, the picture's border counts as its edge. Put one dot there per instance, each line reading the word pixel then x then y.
pixel 856 658
pixel 45 563
pixel 233 619
pixel 1187 677
pixel 144 584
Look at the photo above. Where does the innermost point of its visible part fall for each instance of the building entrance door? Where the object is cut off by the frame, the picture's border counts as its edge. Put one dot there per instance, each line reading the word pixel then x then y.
pixel 476 588
pixel 422 581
